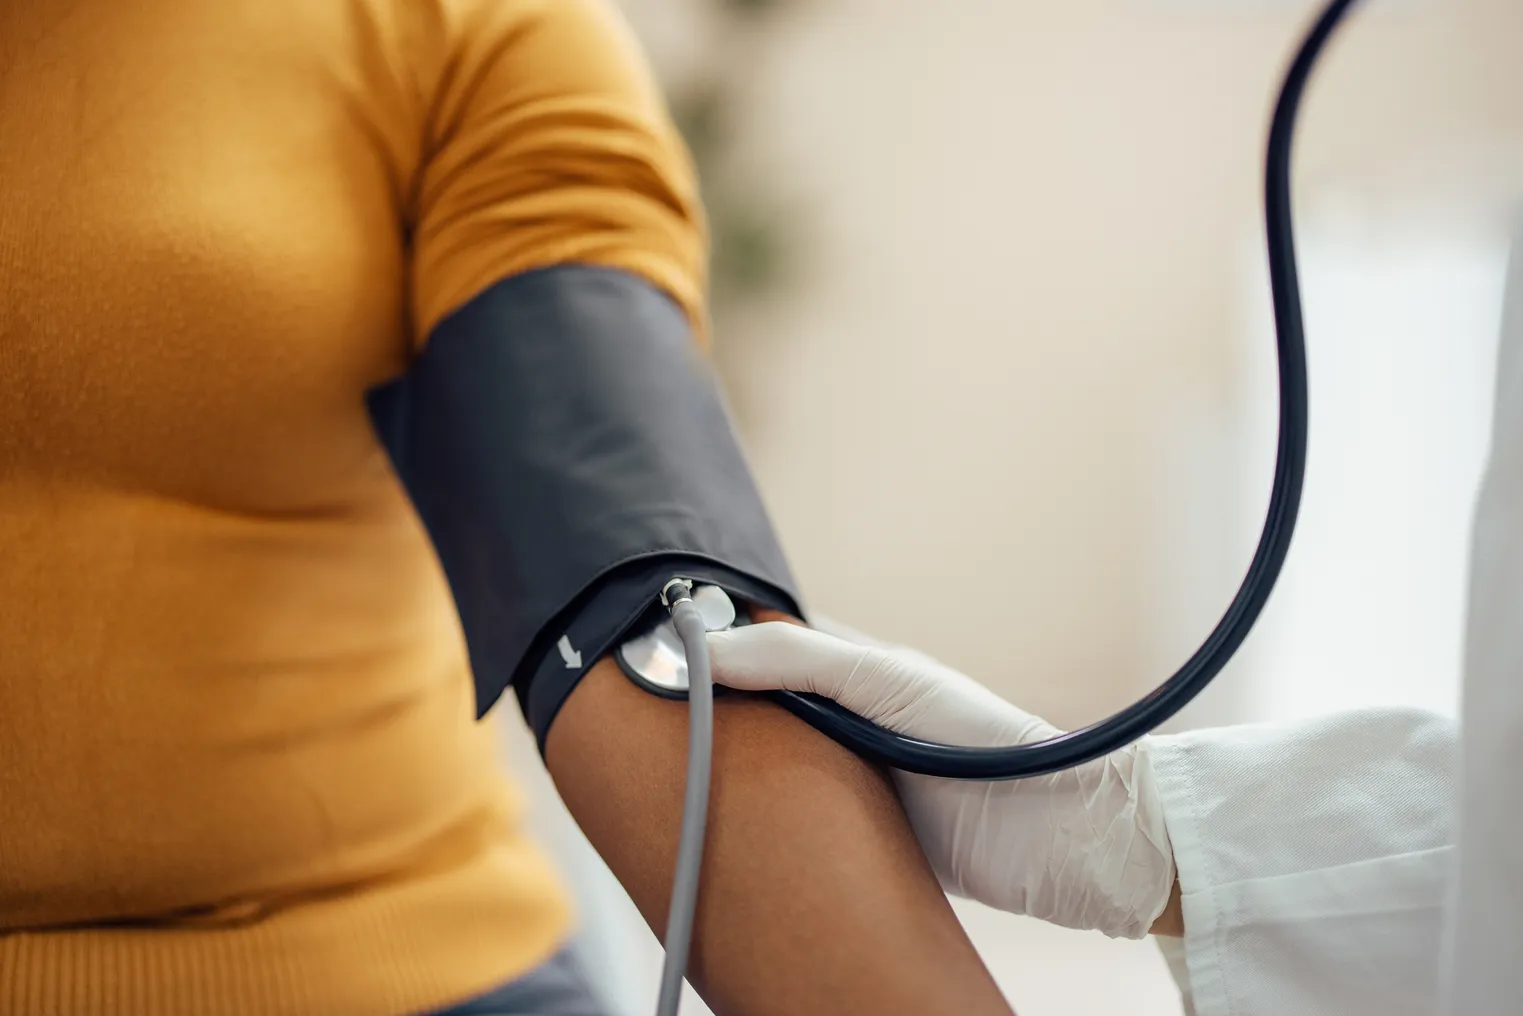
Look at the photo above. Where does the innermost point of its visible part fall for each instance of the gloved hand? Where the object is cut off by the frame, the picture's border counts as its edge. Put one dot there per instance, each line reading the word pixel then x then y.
pixel 1084 849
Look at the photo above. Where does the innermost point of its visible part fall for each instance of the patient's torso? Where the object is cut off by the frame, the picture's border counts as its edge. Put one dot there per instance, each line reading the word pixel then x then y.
pixel 229 669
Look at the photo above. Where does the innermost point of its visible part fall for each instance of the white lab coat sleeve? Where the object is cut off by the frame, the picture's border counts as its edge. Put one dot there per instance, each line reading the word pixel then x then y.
pixel 1483 952
pixel 1313 861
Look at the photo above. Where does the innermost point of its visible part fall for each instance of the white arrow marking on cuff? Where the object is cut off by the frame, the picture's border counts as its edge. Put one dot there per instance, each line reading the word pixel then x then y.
pixel 572 657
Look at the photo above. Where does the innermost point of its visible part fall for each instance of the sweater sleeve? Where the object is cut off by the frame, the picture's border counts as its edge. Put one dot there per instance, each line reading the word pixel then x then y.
pixel 548 143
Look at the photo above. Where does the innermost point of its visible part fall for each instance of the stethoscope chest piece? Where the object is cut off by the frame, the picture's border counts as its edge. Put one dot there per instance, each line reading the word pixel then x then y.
pixel 655 660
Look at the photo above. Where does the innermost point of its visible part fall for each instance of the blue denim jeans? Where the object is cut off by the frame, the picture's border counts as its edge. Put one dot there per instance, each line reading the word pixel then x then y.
pixel 556 988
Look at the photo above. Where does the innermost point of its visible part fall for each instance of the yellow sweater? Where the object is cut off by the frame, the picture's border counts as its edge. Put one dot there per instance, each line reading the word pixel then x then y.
pixel 238 768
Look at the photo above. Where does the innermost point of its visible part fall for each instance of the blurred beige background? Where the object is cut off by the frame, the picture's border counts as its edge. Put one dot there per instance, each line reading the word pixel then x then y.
pixel 1027 226
pixel 1028 358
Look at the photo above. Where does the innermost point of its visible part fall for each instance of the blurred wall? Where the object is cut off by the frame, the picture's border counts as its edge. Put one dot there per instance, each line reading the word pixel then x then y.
pixel 1026 224
pixel 1404 315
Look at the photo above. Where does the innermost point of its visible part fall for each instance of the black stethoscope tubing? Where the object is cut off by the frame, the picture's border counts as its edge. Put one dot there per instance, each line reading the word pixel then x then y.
pixel 1142 717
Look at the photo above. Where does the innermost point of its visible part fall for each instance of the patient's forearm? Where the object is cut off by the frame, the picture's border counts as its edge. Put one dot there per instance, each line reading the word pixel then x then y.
pixel 815 896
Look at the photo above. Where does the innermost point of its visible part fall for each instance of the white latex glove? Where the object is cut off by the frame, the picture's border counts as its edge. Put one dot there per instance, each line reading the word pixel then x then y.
pixel 1084 849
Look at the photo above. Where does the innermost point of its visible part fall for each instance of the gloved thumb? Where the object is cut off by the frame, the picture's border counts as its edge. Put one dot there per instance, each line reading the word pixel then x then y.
pixel 780 656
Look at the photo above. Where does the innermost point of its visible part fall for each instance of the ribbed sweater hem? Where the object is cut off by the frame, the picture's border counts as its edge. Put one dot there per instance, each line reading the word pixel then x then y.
pixel 403 948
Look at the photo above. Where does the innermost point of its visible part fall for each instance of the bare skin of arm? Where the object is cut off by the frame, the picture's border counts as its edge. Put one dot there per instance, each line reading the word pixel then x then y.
pixel 1171 923
pixel 815 896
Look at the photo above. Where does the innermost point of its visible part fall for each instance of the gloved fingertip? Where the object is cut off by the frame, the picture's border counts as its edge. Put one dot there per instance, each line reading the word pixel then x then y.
pixel 741 660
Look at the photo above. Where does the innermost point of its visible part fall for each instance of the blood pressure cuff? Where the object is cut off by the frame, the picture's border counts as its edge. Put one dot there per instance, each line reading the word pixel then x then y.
pixel 567 448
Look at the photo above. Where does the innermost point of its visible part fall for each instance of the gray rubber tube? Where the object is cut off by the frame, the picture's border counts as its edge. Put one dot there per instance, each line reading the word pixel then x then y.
pixel 695 810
